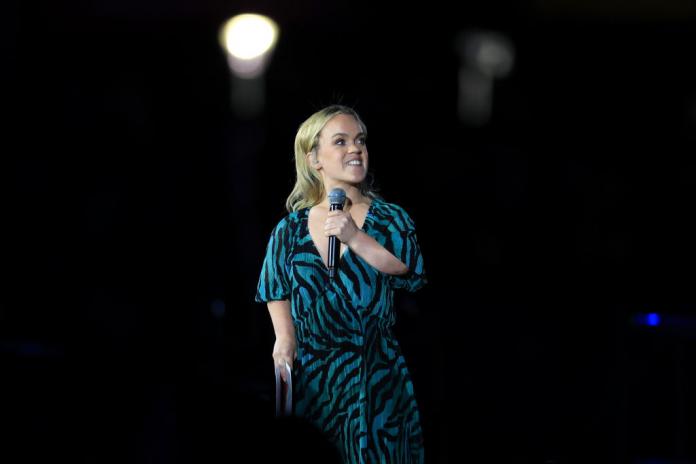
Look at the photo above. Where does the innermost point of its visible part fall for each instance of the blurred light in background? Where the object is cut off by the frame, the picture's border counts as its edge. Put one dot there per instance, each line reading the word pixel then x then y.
pixel 218 308
pixel 649 319
pixel 30 349
pixel 248 41
pixel 484 56
pixel 666 323
pixel 652 319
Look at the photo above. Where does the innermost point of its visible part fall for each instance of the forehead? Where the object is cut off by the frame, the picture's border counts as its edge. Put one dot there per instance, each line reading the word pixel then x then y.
pixel 344 123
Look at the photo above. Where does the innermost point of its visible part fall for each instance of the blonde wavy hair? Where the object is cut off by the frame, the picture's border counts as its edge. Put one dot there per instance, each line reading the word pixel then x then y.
pixel 309 188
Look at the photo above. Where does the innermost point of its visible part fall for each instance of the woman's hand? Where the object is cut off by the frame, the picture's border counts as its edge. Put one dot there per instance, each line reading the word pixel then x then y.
pixel 284 351
pixel 341 224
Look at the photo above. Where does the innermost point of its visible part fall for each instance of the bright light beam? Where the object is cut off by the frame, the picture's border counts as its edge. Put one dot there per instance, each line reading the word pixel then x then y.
pixel 249 40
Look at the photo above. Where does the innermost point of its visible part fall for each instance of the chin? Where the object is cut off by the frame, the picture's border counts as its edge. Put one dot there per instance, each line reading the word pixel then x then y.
pixel 356 182
pixel 352 180
pixel 360 178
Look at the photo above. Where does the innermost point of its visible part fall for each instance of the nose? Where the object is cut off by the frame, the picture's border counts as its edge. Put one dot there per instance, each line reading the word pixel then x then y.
pixel 354 148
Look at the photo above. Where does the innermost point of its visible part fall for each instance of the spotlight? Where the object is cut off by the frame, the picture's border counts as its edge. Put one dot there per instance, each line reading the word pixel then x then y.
pixel 248 41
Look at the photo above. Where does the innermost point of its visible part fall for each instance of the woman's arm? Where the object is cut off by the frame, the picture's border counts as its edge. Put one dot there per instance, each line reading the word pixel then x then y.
pixel 285 347
pixel 341 224
pixel 375 254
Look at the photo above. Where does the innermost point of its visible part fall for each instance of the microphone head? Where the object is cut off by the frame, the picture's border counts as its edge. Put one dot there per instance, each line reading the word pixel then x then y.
pixel 337 197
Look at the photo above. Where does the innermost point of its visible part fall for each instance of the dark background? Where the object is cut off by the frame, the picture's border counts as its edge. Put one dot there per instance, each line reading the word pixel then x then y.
pixel 138 206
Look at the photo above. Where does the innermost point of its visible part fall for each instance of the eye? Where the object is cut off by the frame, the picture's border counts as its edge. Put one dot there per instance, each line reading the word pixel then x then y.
pixel 340 142
pixel 362 140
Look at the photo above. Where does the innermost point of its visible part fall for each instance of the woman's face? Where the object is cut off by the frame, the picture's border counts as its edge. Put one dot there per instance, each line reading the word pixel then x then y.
pixel 342 154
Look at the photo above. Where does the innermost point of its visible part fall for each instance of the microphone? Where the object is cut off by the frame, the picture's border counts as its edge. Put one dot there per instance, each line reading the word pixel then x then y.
pixel 337 198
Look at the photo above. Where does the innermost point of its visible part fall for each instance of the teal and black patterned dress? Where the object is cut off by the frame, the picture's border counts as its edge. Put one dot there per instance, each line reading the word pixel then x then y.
pixel 351 380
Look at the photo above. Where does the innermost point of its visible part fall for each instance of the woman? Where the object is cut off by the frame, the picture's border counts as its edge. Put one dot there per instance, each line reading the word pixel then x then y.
pixel 350 379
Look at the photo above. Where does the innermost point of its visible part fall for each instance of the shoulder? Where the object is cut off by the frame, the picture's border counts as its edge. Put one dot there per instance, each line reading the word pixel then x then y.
pixel 381 206
pixel 391 214
pixel 290 222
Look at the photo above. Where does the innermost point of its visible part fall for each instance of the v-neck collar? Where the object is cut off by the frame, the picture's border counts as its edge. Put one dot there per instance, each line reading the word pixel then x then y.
pixel 364 228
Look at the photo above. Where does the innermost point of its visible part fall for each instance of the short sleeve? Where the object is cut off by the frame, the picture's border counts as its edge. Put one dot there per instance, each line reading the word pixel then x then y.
pixel 274 282
pixel 402 242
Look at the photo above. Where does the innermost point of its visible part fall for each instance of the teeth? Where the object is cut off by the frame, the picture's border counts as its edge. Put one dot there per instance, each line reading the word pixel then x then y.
pixel 355 163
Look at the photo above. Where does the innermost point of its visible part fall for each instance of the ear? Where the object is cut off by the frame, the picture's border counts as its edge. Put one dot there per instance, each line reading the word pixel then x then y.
pixel 313 160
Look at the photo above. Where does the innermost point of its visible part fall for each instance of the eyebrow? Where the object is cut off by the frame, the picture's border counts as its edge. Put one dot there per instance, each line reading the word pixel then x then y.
pixel 346 135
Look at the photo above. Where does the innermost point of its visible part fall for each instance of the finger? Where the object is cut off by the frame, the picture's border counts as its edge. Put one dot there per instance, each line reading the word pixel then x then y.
pixel 280 365
pixel 334 219
pixel 284 370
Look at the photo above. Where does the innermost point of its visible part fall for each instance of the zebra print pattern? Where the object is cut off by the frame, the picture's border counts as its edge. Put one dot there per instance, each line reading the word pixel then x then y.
pixel 351 380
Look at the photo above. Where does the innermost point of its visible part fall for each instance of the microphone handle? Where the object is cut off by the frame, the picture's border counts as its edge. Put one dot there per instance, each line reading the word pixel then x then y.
pixel 334 247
